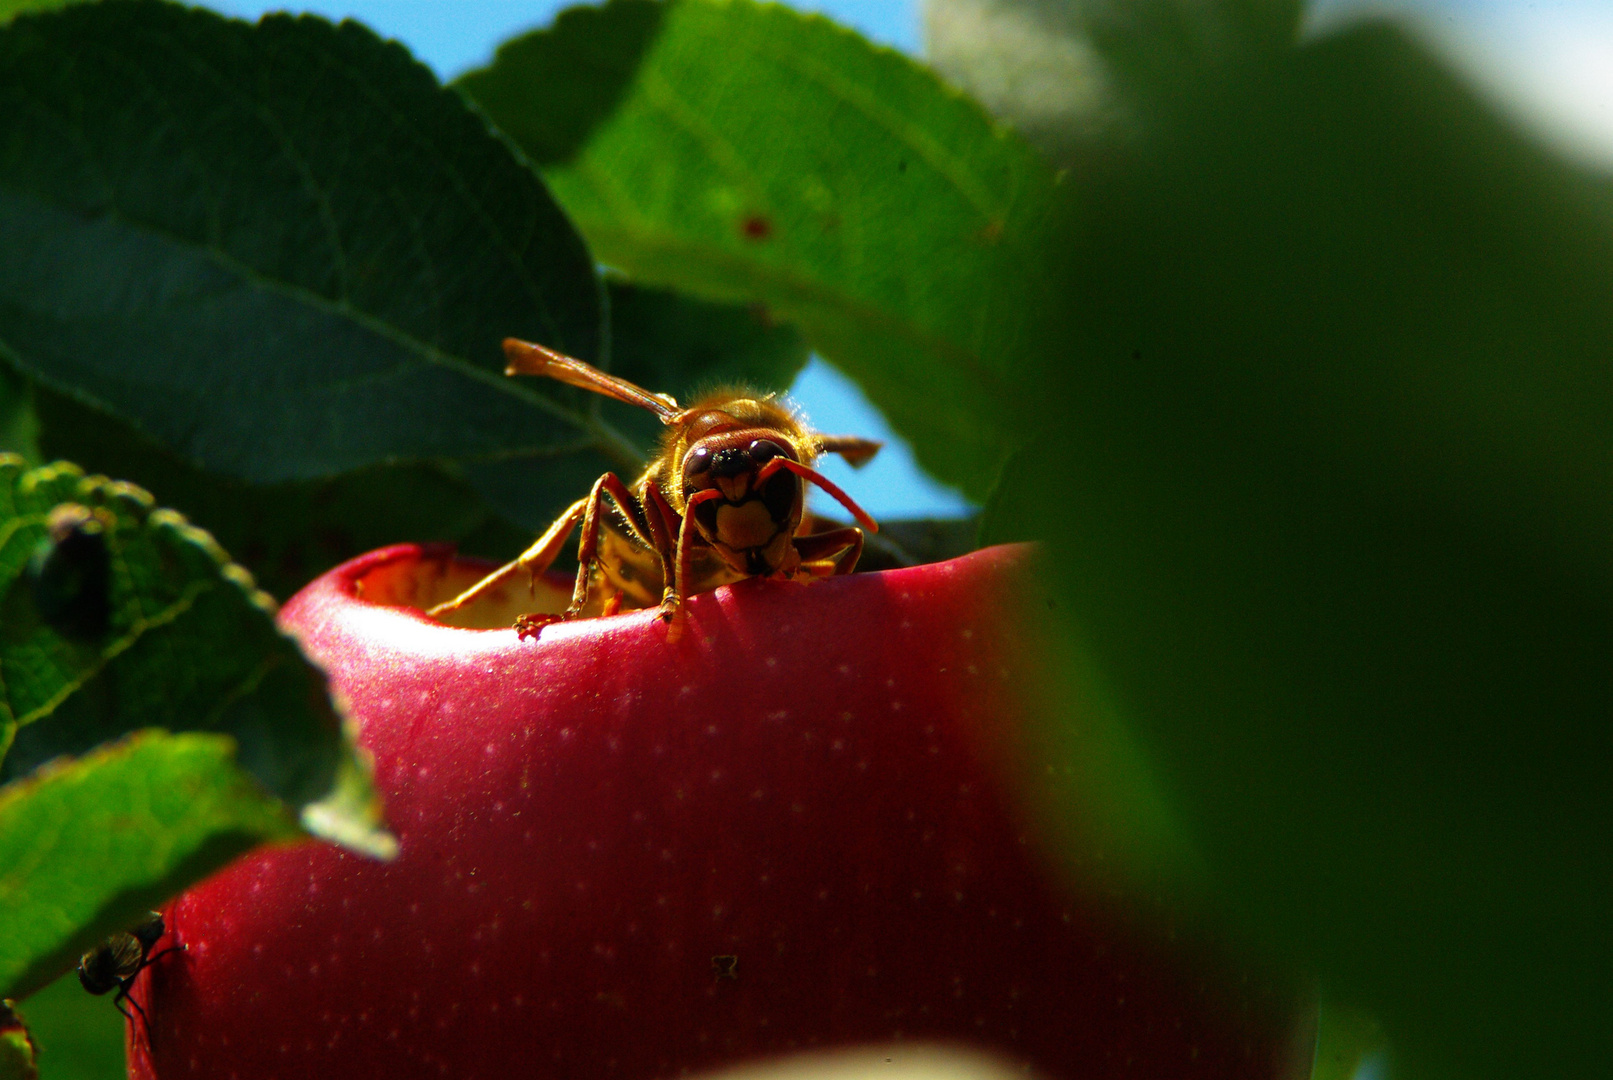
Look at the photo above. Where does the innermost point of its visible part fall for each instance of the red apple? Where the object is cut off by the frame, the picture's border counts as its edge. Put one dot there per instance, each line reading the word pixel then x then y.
pixel 792 829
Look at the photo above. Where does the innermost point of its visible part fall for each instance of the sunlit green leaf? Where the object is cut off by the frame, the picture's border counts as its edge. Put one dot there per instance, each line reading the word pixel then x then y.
pixel 678 345
pixel 87 845
pixel 757 155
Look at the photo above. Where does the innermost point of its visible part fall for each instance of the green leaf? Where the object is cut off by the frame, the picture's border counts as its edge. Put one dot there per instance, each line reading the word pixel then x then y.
pixel 89 844
pixel 282 250
pixel 11 8
pixel 666 342
pixel 19 427
pixel 1346 1041
pixel 912 541
pixel 79 1037
pixel 286 534
pixel 116 617
pixel 319 313
pixel 752 154
pixel 673 343
pixel 1321 463
pixel 678 345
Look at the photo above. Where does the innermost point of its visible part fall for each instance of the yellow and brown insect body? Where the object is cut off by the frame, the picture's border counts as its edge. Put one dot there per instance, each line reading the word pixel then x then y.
pixel 722 501
pixel 115 962
pixel 750 522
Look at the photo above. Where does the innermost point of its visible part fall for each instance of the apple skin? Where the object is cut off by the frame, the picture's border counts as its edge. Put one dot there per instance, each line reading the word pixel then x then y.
pixel 813 780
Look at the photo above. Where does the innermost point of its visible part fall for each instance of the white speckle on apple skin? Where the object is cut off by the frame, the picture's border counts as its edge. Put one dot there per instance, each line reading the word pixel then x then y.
pixel 632 809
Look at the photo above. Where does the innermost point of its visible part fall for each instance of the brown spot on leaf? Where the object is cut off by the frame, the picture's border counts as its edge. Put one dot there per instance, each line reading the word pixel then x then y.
pixel 756 227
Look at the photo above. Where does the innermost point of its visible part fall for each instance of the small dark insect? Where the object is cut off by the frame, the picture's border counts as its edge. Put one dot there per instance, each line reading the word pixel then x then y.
pixel 71 573
pixel 115 962
pixel 726 967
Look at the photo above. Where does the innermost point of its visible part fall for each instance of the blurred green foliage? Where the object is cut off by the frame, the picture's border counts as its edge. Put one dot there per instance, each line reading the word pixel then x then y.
pixel 10 8
pixel 1348 1041
pixel 1296 364
pixel 80 1037
pixel 1332 438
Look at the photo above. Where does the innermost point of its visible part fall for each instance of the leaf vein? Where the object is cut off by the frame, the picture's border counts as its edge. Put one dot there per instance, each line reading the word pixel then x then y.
pixel 138 629
pixel 663 97
pixel 771 280
pixel 954 168
pixel 384 104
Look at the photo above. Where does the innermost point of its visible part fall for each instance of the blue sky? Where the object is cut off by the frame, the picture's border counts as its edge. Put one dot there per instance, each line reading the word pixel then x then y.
pixel 1549 61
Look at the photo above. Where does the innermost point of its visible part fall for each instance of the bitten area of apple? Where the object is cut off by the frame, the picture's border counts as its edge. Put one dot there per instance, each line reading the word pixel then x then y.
pixel 796 828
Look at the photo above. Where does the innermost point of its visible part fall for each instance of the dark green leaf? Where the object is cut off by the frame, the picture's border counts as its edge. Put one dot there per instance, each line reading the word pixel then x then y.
pixel 675 344
pixel 89 844
pixel 79 1037
pixel 281 249
pixel 914 541
pixel 753 154
pixel 286 534
pixel 600 54
pixel 19 428
pixel 1346 1042
pixel 679 345
pixel 310 268
pixel 1322 465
